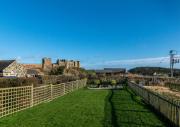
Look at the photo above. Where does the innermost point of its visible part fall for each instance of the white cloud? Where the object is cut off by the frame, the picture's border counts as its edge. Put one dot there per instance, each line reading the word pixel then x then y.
pixel 156 61
pixel 139 61
pixel 18 58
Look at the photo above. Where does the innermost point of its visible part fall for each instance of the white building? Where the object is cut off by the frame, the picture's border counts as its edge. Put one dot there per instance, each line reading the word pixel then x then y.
pixel 10 68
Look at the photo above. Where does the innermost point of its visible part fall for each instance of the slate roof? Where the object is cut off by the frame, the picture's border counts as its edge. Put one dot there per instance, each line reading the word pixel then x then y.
pixel 4 64
pixel 111 70
pixel 34 72
pixel 115 69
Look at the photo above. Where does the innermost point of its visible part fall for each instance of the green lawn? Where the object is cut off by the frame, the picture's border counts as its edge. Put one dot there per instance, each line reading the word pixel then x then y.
pixel 128 110
pixel 88 108
pixel 82 108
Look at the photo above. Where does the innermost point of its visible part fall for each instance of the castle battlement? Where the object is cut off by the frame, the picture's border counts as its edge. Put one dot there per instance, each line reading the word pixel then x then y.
pixel 48 65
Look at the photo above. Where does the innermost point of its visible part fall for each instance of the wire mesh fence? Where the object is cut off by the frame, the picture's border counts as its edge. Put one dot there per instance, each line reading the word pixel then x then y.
pixel 169 108
pixel 15 99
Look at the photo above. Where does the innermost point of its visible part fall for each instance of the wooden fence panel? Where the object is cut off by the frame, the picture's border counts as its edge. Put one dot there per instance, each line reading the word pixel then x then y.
pixel 74 85
pixel 68 88
pixel 169 108
pixel 41 94
pixel 58 90
pixel 15 99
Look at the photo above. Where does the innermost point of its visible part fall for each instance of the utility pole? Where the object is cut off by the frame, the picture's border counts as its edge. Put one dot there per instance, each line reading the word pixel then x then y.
pixel 172 53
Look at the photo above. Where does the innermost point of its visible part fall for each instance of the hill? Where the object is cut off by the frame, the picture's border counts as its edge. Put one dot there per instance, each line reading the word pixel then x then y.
pixel 151 70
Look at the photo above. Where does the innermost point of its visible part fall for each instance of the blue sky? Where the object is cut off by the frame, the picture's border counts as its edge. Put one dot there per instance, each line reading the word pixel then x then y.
pixel 99 33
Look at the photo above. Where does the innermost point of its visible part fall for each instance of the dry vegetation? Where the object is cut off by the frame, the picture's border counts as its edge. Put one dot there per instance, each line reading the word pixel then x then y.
pixel 165 91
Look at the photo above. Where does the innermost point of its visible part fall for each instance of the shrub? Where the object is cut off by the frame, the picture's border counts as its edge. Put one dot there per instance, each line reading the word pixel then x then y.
pixel 57 71
pixel 113 82
pixel 137 81
pixel 97 82
pixel 57 79
pixel 14 82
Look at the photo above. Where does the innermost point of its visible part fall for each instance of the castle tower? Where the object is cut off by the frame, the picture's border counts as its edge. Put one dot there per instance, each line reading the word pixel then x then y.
pixel 58 62
pixel 75 64
pixel 46 64
pixel 78 64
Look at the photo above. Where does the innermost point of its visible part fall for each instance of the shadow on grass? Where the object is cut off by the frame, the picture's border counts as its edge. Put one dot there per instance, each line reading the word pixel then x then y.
pixel 136 98
pixel 124 108
pixel 110 118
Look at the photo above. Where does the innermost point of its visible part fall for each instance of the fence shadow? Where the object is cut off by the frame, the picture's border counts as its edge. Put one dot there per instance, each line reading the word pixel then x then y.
pixel 134 97
pixel 110 117
pixel 124 108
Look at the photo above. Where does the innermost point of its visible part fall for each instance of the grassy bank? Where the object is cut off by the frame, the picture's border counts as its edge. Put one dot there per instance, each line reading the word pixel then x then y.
pixel 83 108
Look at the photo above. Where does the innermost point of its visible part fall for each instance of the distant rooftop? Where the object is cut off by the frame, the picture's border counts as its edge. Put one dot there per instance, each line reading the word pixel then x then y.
pixel 5 63
pixel 111 70
pixel 115 69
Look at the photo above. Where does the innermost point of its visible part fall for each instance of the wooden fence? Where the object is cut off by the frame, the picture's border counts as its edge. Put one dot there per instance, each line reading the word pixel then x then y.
pixel 169 108
pixel 15 99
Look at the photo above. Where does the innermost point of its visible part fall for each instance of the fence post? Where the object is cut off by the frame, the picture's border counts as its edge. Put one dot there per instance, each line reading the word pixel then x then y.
pixel 72 86
pixel 177 116
pixel 31 105
pixel 78 84
pixel 84 81
pixel 51 86
pixel 64 89
pixel 1 107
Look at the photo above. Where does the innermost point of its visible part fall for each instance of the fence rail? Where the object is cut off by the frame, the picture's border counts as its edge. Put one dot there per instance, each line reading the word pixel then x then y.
pixel 169 108
pixel 15 99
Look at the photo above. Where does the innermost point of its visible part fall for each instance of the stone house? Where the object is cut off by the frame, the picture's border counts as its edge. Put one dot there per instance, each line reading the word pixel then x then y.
pixel 10 68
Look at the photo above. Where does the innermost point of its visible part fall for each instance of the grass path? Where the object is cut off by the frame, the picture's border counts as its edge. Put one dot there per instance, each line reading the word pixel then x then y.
pixel 82 108
pixel 128 110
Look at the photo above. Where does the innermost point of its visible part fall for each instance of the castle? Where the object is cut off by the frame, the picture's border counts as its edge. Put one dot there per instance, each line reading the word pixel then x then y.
pixel 47 66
